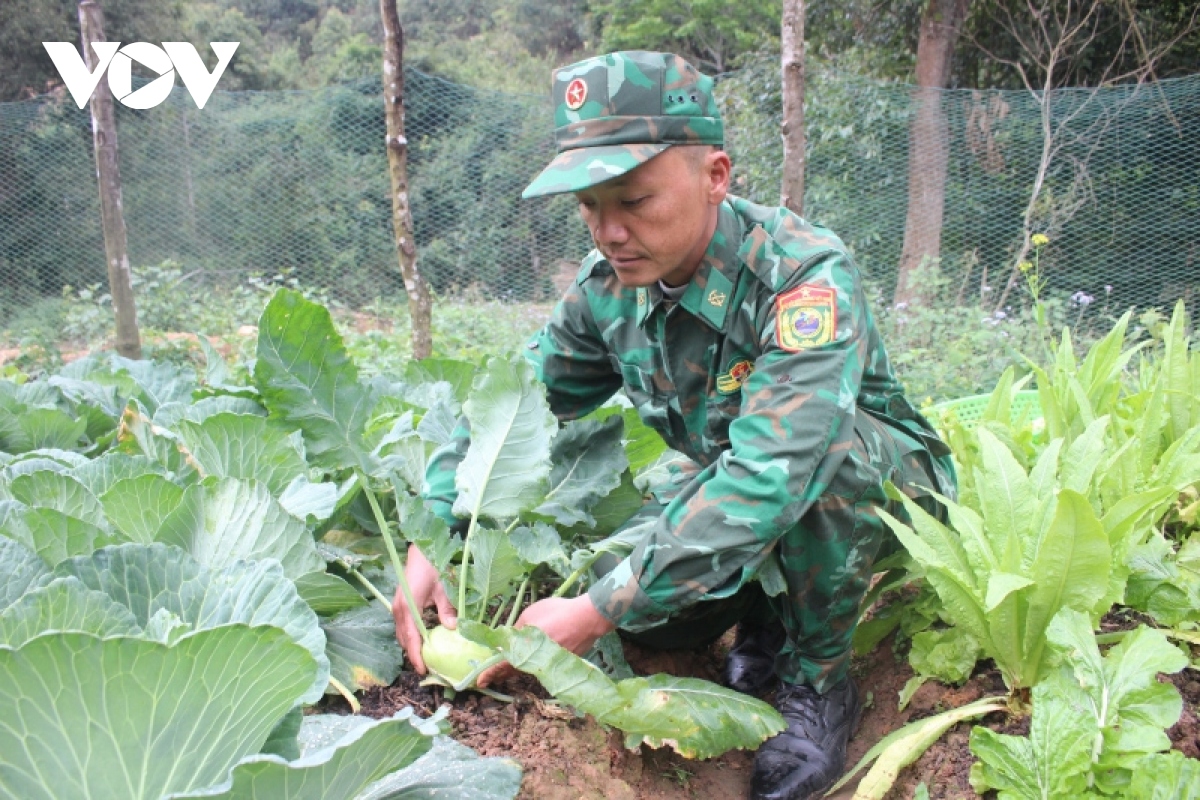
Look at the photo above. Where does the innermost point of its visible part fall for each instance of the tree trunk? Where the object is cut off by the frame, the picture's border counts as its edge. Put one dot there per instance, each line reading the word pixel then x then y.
pixel 928 148
pixel 794 157
pixel 420 305
pixel 108 177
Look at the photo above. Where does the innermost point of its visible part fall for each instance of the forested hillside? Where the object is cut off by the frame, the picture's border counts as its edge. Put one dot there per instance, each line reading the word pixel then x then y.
pixel 512 44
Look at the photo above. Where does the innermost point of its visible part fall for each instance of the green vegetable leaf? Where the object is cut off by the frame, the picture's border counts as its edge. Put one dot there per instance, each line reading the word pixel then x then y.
pixel 157 382
pixel 1052 762
pixel 696 718
pixel 1006 500
pixel 243 446
pixel 962 603
pixel 459 374
pixel 1081 459
pixel 52 534
pixel 310 502
pixel 20 568
pixel 136 719
pixel 368 751
pixel 588 460
pixel 307 379
pixel 643 444
pixel 1170 776
pixel 1001 585
pixel 328 594
pixel 101 474
pixel 948 655
pixel 282 741
pixel 38 428
pixel 1070 569
pixel 138 507
pixel 156 579
pixel 64 605
pixel 362 649
pixel 427 531
pixel 496 568
pixel 240 519
pixel 506 466
pixel 902 747
pixel 541 544
pixel 58 491
pixel 450 771
pixel 140 435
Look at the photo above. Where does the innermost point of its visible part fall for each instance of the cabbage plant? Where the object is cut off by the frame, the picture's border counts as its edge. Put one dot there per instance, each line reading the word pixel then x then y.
pixel 139 672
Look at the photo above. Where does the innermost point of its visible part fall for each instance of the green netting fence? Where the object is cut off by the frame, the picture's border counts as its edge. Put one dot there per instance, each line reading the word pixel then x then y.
pixel 295 183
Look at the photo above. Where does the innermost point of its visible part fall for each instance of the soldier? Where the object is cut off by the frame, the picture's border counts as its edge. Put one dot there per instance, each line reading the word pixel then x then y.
pixel 743 336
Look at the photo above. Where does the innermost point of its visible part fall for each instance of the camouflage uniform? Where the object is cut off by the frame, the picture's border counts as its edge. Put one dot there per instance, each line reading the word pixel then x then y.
pixel 769 374
pixel 791 431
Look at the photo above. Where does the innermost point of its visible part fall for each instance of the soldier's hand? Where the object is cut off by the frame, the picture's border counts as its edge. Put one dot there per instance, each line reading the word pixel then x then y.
pixel 427 590
pixel 573 623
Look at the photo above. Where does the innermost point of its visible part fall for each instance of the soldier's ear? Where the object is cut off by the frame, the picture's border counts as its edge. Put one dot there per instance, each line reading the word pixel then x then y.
pixel 717 169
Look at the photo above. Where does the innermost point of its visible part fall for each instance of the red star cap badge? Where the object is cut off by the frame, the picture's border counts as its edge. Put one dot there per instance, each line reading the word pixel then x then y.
pixel 576 94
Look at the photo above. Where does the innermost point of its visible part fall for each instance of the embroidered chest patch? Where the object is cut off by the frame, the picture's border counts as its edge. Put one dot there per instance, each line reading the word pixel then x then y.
pixel 805 317
pixel 732 380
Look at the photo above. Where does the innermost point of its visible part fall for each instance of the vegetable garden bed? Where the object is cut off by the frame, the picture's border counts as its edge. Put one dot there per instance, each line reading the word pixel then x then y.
pixel 190 562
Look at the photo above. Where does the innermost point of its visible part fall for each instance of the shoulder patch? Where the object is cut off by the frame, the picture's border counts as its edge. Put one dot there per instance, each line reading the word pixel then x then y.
pixel 805 317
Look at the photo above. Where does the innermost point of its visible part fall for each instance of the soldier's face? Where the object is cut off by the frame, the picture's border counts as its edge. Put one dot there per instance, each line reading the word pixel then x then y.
pixel 655 222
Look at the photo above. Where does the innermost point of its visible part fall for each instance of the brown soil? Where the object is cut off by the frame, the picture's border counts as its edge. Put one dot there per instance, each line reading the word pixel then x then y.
pixel 566 757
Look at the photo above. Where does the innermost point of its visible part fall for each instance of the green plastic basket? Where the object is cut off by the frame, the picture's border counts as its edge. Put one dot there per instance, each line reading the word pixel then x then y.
pixel 968 410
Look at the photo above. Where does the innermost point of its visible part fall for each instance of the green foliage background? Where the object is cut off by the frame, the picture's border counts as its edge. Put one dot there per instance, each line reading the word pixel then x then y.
pixel 280 179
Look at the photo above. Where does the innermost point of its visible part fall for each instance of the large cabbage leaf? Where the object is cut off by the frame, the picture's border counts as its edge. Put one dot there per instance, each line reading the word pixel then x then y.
pixel 228 519
pixel 20 567
pixel 156 583
pixel 244 446
pixel 306 377
pixel 346 756
pixel 132 718
pixel 65 605
pixel 507 463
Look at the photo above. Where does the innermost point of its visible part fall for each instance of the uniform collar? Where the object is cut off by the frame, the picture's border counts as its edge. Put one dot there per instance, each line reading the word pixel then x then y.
pixel 711 288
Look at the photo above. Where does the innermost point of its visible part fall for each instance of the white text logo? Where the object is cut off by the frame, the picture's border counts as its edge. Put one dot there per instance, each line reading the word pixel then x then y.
pixel 119 60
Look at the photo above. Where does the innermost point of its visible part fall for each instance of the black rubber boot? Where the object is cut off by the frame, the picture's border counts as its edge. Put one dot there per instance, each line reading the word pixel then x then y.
pixel 750 665
pixel 807 758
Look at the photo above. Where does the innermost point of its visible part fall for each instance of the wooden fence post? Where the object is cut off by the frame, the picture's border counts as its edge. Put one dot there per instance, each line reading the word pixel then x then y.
pixel 108 177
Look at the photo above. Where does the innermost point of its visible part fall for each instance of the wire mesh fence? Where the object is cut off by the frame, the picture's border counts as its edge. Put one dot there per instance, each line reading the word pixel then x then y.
pixel 295 183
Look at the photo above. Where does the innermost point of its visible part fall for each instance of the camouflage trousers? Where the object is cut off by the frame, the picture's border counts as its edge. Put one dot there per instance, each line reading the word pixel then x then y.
pixel 827 559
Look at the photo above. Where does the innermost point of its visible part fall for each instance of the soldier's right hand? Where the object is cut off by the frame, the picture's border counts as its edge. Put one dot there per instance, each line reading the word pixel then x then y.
pixel 427 590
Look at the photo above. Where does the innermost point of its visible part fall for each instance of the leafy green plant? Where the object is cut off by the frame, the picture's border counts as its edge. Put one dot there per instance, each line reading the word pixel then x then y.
pixel 1074 393
pixel 519 477
pixel 1036 545
pixel 155 677
pixel 1095 719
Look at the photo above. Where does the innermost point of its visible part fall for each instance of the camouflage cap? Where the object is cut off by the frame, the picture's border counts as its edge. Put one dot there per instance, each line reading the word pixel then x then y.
pixel 617 111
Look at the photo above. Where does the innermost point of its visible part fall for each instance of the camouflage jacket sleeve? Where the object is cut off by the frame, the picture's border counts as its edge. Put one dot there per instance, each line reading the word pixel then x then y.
pixel 791 434
pixel 568 356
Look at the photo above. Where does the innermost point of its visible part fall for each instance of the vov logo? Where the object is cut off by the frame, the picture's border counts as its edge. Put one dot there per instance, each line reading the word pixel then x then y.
pixel 164 61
